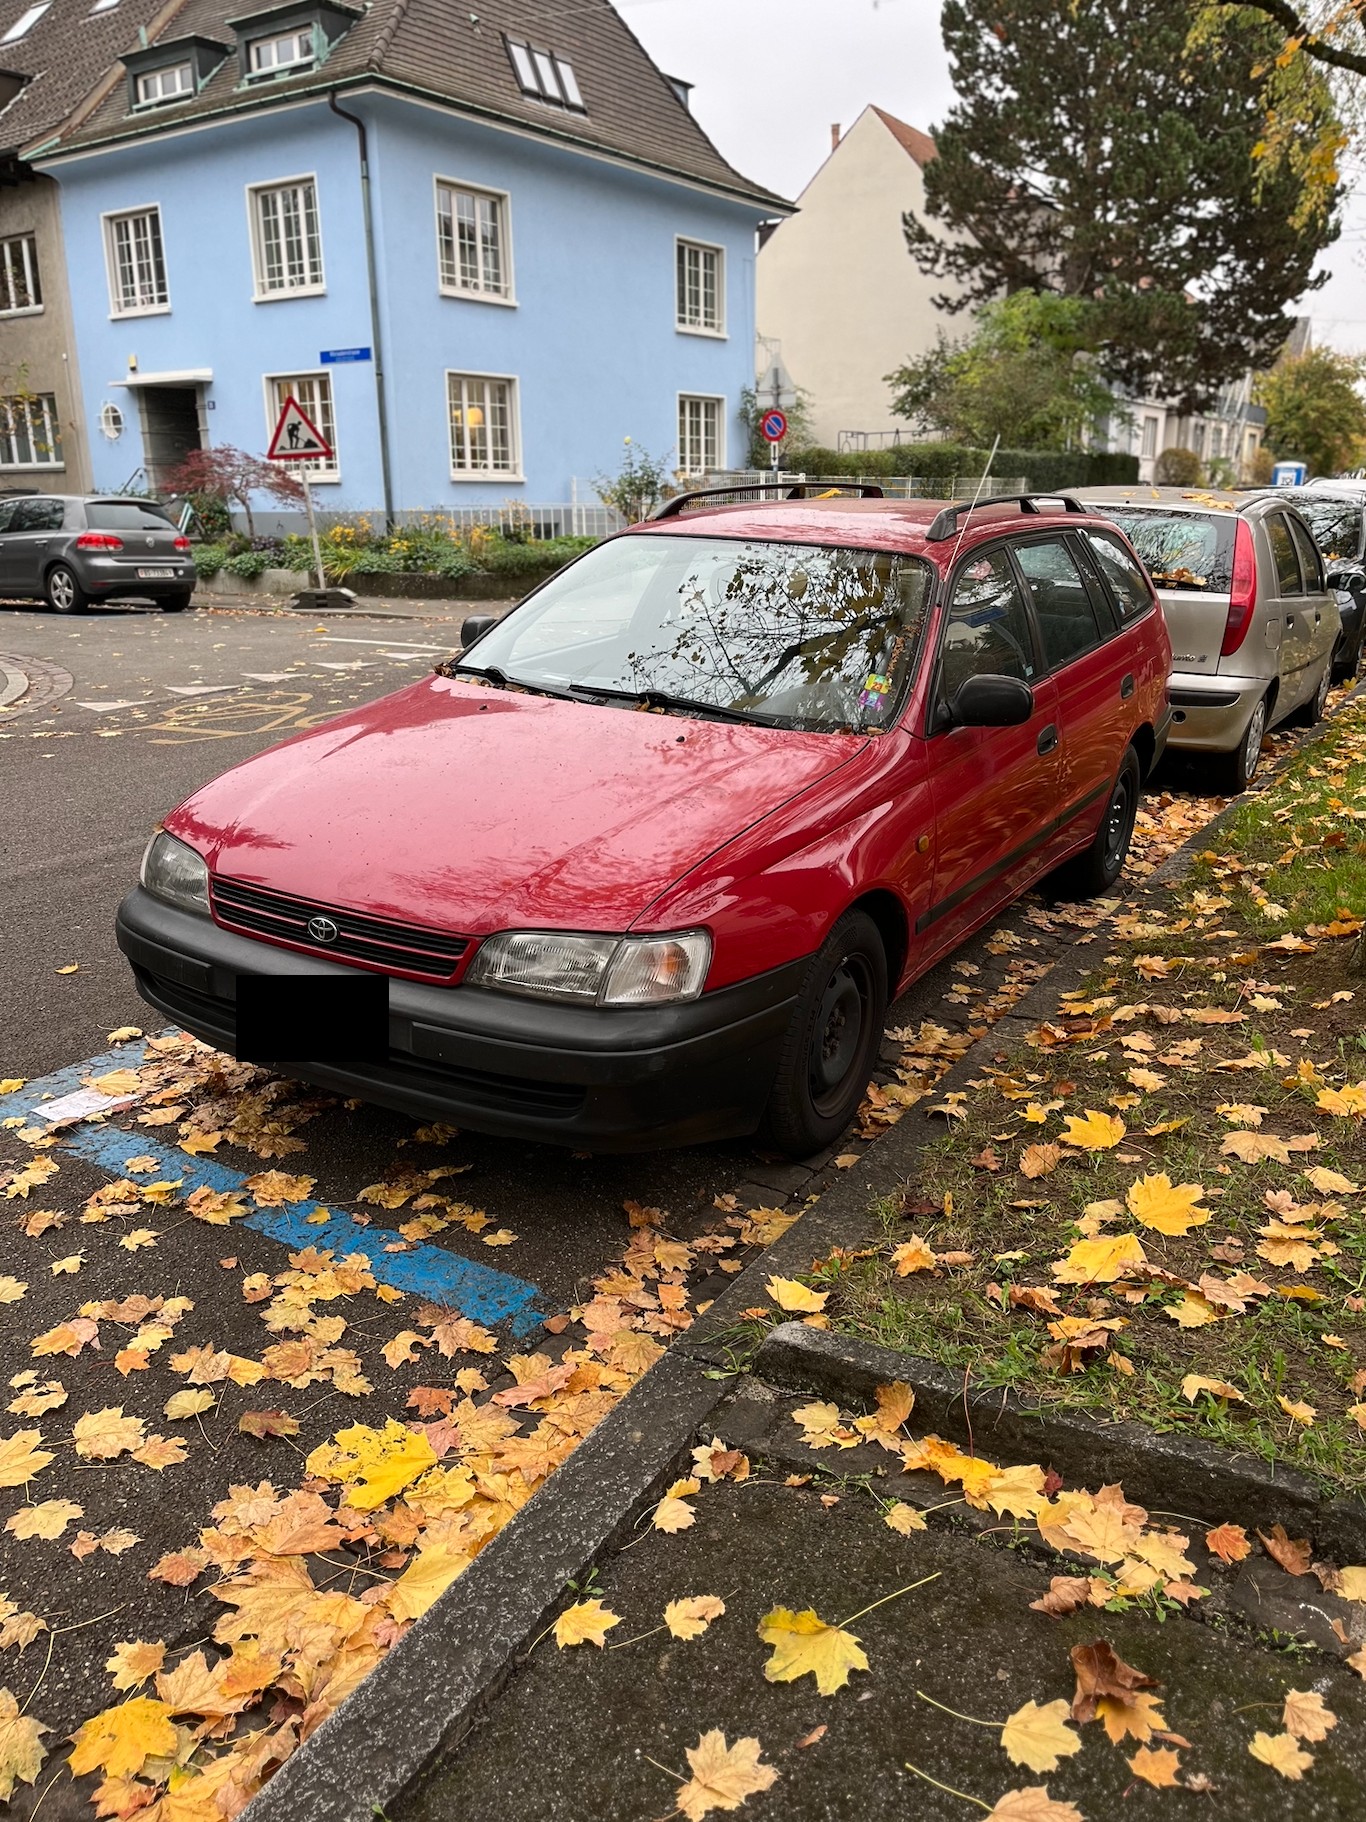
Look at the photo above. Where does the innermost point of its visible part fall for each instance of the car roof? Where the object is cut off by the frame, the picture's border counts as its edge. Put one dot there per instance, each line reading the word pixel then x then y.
pixel 899 525
pixel 1144 498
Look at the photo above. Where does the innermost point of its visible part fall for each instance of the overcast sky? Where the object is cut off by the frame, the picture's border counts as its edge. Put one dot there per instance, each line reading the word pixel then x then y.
pixel 773 75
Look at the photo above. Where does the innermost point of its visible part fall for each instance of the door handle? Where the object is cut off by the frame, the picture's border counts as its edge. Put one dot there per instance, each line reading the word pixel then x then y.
pixel 1289 621
pixel 1048 739
pixel 1126 689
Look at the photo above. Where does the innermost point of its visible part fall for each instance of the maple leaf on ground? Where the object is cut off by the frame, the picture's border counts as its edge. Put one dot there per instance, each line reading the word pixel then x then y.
pixel 1103 1260
pixel 904 1518
pixel 1095 1131
pixel 12 1289
pixel 104 1435
pixel 1040 1737
pixel 1281 1753
pixel 1230 1543
pixel 21 1458
pixel 1032 1804
pixel 1169 1208
pixel 823 1428
pixel 1065 1594
pixel 723 1776
pixel 790 1294
pixel 1101 1673
pixel 1040 1160
pixel 121 1740
pixel 585 1623
pixel 803 1644
pixel 263 1424
pixel 1305 1716
pixel 689 1618
pixel 1156 1766
pixel 134 1662
pixel 273 1188
pixel 21 1749
pixel 178 1568
pixel 372 1464
pixel 1195 1383
pixel 425 1579
pixel 913 1255
pixel 1255 1148
pixel 182 1405
pixel 47 1520
pixel 673 1513
pixel 1292 1553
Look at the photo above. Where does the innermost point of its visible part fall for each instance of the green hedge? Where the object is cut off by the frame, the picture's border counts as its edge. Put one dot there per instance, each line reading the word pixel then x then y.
pixel 1047 469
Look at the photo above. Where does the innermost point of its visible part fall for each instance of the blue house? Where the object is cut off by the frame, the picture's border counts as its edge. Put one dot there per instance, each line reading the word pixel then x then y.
pixel 480 253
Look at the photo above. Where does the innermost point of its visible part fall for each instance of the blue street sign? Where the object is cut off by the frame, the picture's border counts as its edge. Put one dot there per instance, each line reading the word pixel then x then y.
pixel 332 357
pixel 773 426
pixel 1290 474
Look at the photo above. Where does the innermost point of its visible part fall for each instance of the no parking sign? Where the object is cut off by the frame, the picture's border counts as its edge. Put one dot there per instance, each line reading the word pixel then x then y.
pixel 773 426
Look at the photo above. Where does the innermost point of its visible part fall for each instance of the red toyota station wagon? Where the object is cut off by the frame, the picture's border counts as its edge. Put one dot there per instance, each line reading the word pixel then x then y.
pixel 646 864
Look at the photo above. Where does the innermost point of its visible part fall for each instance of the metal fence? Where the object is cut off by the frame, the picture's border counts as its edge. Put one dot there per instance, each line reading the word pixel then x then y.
pixel 561 519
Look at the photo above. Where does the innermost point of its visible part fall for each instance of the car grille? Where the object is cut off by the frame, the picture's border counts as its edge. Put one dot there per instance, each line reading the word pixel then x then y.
pixel 407 948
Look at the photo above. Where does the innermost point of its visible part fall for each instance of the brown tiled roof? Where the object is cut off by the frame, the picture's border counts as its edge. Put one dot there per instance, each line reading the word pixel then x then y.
pixel 453 51
pixel 66 55
pixel 920 146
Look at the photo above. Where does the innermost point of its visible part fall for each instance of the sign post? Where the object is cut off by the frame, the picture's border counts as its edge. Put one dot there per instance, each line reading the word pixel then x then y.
pixel 773 428
pixel 297 439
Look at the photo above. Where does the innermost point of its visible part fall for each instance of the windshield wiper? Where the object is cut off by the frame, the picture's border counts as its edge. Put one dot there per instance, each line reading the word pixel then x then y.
pixel 499 677
pixel 662 699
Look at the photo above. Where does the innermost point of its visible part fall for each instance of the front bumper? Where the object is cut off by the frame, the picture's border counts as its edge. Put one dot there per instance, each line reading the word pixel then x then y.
pixel 625 1079
pixel 1210 713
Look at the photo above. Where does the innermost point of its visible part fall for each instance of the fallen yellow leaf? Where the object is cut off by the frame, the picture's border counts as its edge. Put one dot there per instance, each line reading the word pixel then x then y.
pixel 585 1623
pixel 121 1740
pixel 804 1645
pixel 1280 1752
pixel 789 1294
pixel 689 1618
pixel 722 1776
pixel 1095 1132
pixel 1168 1208
pixel 1040 1737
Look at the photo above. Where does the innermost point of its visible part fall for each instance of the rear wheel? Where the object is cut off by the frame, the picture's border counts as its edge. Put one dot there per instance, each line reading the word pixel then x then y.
pixel 1243 763
pixel 832 1043
pixel 63 591
pixel 1095 871
pixel 176 604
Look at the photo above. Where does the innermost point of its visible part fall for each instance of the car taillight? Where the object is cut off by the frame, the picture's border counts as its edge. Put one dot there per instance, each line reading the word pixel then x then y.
pixel 1242 594
pixel 182 543
pixel 98 540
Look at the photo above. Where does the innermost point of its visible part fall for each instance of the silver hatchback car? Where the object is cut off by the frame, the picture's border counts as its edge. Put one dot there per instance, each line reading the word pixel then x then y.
pixel 1252 620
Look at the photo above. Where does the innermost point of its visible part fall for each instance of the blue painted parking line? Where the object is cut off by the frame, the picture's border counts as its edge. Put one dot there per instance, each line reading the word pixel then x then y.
pixel 477 1291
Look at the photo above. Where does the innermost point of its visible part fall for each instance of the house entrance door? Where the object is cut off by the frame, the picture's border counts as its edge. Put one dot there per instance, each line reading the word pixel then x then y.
pixel 170 429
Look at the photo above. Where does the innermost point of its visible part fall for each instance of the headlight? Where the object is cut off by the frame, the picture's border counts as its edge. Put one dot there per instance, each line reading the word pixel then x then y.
pixel 173 871
pixel 595 970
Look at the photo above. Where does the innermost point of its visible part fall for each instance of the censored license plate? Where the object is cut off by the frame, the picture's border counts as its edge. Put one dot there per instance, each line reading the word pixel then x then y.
pixel 313 1018
pixel 149 573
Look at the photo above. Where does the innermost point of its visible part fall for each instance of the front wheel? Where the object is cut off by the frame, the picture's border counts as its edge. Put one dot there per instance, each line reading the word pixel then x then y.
pixel 1095 871
pixel 64 592
pixel 832 1043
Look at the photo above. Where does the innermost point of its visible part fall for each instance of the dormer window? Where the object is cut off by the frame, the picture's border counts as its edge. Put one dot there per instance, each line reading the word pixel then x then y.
pixel 156 87
pixel 544 75
pixel 282 51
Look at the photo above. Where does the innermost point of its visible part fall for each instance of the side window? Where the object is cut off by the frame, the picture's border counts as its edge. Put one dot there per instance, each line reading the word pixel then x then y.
pixel 987 632
pixel 1122 574
pixel 1311 564
pixel 1062 602
pixel 7 510
pixel 1287 564
pixel 38 515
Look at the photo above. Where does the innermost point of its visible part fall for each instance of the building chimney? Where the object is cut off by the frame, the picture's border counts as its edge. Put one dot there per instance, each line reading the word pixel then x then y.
pixel 835 137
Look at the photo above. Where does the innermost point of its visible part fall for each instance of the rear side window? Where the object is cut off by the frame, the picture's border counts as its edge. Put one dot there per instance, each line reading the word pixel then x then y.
pixel 125 515
pixel 1181 550
pixel 1062 603
pixel 1283 553
pixel 1311 565
pixel 1125 580
pixel 987 633
pixel 6 513
pixel 38 515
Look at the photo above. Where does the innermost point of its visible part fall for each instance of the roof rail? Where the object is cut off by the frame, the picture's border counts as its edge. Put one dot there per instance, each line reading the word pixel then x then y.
pixel 946 524
pixel 789 490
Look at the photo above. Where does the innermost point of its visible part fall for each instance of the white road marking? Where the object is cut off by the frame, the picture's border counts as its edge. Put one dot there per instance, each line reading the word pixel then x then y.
pixel 101 707
pixel 200 689
pixel 354 664
pixel 272 676
pixel 338 639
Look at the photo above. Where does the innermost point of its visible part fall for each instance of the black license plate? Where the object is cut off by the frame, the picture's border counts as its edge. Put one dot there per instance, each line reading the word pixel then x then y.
pixel 312 1018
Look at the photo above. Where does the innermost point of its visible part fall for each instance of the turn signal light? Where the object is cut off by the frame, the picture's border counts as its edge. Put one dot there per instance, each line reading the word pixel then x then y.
pixel 1242 594
pixel 98 540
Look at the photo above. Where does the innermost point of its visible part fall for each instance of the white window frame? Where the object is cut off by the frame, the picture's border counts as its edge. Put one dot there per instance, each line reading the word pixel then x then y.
pixel 152 78
pixel 260 72
pixel 44 406
pixel 510 380
pixel 260 292
pixel 322 474
pixel 715 333
pixel 117 309
pixel 722 407
pixel 21 251
pixel 508 295
pixel 1148 437
pixel 545 75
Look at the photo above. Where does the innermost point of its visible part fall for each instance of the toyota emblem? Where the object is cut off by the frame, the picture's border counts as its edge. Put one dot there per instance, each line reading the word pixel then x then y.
pixel 323 930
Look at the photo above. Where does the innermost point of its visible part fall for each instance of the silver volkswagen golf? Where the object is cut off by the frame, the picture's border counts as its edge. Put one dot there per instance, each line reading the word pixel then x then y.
pixel 1252 620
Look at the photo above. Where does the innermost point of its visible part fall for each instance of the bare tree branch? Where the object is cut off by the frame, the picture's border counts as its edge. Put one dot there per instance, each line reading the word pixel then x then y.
pixel 1312 43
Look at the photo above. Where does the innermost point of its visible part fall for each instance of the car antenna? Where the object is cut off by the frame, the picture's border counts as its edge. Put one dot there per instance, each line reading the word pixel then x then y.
pixel 986 475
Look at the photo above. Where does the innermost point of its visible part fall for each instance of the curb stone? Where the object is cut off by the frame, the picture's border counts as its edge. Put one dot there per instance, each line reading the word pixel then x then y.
pixel 426 1693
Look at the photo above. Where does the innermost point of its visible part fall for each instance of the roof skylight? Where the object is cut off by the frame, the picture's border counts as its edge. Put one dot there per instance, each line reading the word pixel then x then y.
pixel 25 22
pixel 545 75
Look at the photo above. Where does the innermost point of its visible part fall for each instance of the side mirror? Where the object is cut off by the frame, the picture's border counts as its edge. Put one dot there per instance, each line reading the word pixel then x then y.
pixel 1352 581
pixel 474 628
pixel 992 702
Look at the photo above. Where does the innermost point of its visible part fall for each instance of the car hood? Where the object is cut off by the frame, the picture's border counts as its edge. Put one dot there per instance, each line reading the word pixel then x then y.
pixel 453 805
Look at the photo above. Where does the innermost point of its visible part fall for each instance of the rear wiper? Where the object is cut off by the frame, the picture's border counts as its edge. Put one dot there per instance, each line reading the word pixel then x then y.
pixel 661 699
pixel 499 677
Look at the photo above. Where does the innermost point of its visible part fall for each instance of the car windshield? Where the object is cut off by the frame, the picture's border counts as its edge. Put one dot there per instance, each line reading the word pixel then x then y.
pixel 1183 550
pixel 1336 524
pixel 810 636
pixel 126 515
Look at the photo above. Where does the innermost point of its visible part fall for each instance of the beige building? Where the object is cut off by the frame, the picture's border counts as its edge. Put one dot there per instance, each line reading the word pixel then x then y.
pixel 838 292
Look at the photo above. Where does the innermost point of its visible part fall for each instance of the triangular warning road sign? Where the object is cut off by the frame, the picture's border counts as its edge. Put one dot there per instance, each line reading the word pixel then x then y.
pixel 296 438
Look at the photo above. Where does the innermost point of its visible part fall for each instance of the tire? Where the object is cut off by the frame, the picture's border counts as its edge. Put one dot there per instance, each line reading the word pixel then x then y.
pixel 176 604
pixel 1310 714
pixel 1242 764
pixel 1090 874
pixel 62 591
pixel 832 1043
